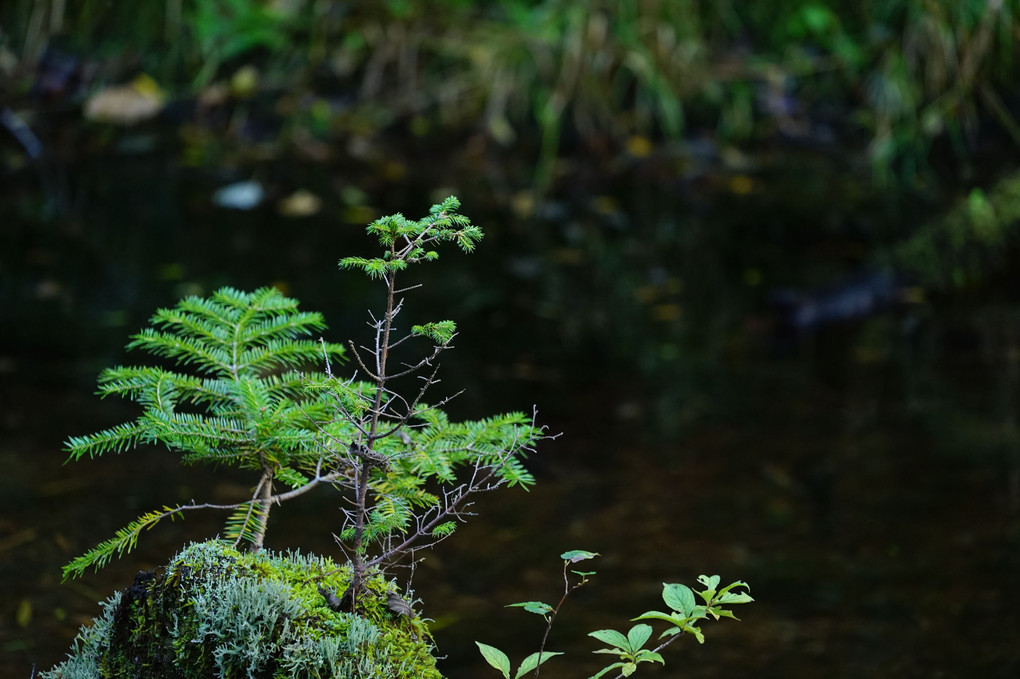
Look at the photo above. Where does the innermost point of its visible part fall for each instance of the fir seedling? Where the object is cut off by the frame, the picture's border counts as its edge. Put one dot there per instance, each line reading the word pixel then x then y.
pixel 236 397
pixel 244 393
pixel 410 469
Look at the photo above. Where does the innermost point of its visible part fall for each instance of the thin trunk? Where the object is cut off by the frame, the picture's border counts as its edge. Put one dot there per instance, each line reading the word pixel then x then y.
pixel 382 348
pixel 265 496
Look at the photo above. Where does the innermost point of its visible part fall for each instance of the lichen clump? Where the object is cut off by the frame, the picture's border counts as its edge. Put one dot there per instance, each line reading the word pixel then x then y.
pixel 215 612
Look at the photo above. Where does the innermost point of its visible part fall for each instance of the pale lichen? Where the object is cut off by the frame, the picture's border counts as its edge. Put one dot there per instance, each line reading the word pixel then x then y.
pixel 216 612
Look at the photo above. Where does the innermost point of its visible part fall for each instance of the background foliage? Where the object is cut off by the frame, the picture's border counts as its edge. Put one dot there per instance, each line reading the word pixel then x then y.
pixel 893 80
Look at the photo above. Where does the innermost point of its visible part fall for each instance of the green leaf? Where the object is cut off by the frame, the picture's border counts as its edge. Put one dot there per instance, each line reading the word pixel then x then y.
pixel 611 637
pixel 728 596
pixel 606 669
pixel 672 631
pixel 674 618
pixel 637 636
pixel 533 661
pixel 717 613
pixel 649 656
pixel 709 582
pixel 495 657
pixel 679 598
pixel 734 598
pixel 696 631
pixel 536 607
pixel 575 555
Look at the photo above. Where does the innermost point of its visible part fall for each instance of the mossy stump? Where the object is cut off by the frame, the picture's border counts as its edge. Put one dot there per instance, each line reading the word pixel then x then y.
pixel 215 612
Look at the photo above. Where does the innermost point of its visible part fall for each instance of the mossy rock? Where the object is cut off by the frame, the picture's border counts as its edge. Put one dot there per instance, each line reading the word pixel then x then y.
pixel 215 612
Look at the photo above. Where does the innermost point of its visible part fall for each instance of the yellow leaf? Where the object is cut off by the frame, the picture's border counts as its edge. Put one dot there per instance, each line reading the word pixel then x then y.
pixel 23 614
pixel 639 146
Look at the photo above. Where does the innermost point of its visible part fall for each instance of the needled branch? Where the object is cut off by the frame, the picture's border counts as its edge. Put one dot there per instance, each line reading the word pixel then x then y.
pixel 405 457
pixel 229 385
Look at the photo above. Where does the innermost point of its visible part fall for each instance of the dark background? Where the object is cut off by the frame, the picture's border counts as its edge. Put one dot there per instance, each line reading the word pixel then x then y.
pixel 778 356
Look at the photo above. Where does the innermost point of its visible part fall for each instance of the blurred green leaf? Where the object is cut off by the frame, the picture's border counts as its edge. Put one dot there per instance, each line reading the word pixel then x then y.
pixel 495 657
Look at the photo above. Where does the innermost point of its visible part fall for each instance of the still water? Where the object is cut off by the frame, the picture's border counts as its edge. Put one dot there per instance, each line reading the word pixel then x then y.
pixel 861 475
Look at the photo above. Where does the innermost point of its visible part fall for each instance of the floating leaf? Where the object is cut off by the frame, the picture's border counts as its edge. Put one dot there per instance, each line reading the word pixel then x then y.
pixel 139 100
pixel 239 196
pixel 301 203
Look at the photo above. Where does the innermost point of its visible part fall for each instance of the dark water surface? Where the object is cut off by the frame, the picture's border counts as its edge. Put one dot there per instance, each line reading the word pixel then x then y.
pixel 862 477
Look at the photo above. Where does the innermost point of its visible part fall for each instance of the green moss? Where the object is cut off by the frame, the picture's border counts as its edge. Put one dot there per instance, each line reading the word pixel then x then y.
pixel 215 612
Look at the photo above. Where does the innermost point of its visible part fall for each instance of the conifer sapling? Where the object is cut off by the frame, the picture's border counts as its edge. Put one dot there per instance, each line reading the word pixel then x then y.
pixel 251 390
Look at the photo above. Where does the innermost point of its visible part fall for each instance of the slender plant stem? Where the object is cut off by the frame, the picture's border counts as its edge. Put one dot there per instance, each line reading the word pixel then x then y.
pixel 382 356
pixel 567 590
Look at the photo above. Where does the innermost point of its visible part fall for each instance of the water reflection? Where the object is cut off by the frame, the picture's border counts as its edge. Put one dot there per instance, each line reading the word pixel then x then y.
pixel 861 476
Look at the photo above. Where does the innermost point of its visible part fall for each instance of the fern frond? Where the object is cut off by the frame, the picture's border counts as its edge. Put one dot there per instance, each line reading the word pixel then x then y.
pixel 124 541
